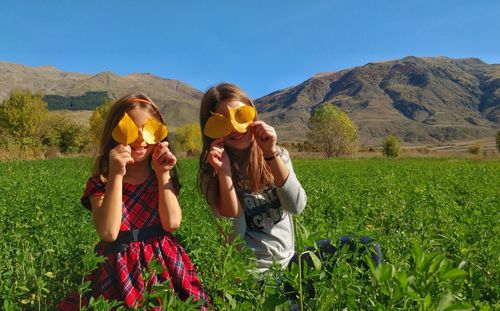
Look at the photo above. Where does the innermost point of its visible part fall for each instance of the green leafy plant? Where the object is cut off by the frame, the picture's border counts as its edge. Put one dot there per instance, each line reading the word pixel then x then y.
pixel 476 148
pixel 435 219
pixel 332 128
pixel 391 146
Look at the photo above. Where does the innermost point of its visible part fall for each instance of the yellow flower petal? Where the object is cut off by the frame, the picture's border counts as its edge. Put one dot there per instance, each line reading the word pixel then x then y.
pixel 244 114
pixel 241 117
pixel 217 126
pixel 154 131
pixel 126 132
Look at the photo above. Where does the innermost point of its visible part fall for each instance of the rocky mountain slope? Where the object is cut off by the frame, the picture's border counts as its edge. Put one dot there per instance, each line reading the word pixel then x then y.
pixel 422 100
pixel 178 101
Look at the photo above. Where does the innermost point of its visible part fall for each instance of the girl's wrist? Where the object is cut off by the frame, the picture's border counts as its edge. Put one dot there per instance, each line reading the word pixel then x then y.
pixel 113 175
pixel 224 173
pixel 114 178
pixel 273 153
pixel 163 176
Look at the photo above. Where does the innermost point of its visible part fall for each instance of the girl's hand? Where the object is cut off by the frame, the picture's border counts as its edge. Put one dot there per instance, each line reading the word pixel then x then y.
pixel 265 136
pixel 218 158
pixel 163 160
pixel 119 157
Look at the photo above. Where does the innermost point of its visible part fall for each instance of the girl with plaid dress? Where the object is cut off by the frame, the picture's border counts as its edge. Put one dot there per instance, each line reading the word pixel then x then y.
pixel 133 199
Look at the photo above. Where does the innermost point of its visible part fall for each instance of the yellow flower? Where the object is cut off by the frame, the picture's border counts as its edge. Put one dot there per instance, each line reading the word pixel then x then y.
pixel 154 132
pixel 239 119
pixel 126 132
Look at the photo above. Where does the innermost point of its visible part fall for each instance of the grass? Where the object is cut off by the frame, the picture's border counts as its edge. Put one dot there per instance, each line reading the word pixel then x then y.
pixel 437 221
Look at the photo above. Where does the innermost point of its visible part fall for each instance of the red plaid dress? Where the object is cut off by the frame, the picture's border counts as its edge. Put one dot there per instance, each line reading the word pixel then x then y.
pixel 119 277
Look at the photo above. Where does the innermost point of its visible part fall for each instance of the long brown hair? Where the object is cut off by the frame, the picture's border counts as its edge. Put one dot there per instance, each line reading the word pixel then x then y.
pixel 115 114
pixel 250 171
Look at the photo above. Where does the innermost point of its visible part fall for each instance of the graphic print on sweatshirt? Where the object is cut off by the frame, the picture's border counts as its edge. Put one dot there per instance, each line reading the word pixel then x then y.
pixel 262 210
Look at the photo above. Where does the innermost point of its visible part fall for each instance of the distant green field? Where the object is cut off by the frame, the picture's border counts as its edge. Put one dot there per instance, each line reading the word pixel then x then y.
pixel 437 222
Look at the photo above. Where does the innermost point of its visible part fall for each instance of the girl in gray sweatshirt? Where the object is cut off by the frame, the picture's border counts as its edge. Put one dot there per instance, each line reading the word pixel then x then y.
pixel 244 175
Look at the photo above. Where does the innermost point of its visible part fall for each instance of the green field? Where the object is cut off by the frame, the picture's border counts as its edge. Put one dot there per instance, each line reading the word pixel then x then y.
pixel 437 221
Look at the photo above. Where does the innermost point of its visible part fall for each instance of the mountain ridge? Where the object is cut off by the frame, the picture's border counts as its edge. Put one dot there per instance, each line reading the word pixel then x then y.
pixel 424 100
pixel 177 100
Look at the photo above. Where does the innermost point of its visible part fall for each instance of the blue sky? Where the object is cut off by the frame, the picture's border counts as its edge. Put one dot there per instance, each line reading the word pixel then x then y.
pixel 262 46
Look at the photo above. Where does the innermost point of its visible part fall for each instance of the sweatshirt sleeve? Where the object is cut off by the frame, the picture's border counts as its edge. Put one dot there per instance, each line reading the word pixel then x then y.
pixel 292 196
pixel 240 226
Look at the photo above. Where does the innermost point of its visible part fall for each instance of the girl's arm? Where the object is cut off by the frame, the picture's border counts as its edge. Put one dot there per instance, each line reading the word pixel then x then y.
pixel 227 204
pixel 168 204
pixel 107 210
pixel 278 168
pixel 292 195
pixel 266 139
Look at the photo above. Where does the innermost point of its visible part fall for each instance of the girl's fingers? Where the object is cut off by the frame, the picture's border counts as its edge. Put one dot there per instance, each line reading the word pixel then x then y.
pixel 218 142
pixel 216 154
pixel 122 154
pixel 160 149
pixel 165 153
pixel 268 131
pixel 157 153
pixel 213 163
pixel 257 123
pixel 215 158
pixel 123 151
pixel 217 150
pixel 123 159
pixel 165 159
pixel 260 128
pixel 262 134
pixel 169 157
pixel 122 148
pixel 261 125
pixel 217 147
pixel 260 131
pixel 171 161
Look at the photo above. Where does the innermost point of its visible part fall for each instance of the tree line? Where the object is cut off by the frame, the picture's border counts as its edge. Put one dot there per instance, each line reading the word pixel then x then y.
pixel 186 138
pixel 87 101
pixel 28 129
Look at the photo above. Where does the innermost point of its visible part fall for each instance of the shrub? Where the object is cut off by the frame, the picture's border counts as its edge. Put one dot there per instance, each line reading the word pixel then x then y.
pixel 332 129
pixel 97 120
pixel 22 115
pixel 187 138
pixel 424 150
pixel 391 147
pixel 477 148
pixel 64 134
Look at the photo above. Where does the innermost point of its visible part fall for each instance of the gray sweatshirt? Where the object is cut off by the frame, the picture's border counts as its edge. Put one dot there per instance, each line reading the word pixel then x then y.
pixel 266 224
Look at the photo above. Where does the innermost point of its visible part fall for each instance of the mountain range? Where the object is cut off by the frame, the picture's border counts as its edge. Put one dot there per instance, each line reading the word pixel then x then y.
pixel 421 100
pixel 178 101
pixel 430 100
